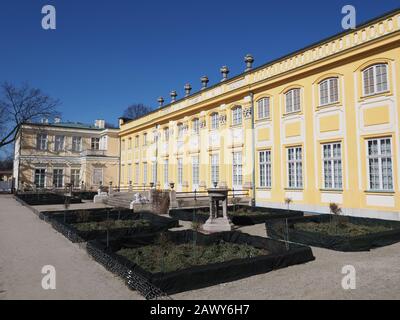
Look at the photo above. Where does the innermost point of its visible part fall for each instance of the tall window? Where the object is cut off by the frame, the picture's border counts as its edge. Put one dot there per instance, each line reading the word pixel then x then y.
pixel 58 178
pixel 263 108
pixel 237 169
pixel 265 169
pixel 237 116
pixel 292 100
pixel 196 126
pixel 76 144
pixel 380 164
pixel 329 91
pixel 40 177
pixel 58 143
pixel 41 141
pixel 375 79
pixel 145 139
pixel 75 177
pixel 295 167
pixel 123 174
pixel 154 172
pixel 180 171
pixel 97 176
pixel 195 171
pixel 166 174
pixel 166 134
pixel 144 172
pixel 155 136
pixel 214 168
pixel 332 163
pixel 180 131
pixel 214 121
pixel 129 173
pixel 95 143
pixel 137 173
pixel 137 142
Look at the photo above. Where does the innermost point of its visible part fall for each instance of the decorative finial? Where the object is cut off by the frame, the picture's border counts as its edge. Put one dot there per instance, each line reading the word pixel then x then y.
pixel 224 71
pixel 248 59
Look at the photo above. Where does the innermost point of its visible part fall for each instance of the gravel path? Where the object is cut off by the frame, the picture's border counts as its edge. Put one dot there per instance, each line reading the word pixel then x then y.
pixel 27 244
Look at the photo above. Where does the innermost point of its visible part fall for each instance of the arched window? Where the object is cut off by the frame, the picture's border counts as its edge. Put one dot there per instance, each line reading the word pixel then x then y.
pixel 329 91
pixel 214 121
pixel 237 116
pixel 196 126
pixel 263 108
pixel 375 79
pixel 293 100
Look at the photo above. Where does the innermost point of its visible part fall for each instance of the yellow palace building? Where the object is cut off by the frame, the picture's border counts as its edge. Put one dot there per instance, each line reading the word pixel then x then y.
pixel 317 126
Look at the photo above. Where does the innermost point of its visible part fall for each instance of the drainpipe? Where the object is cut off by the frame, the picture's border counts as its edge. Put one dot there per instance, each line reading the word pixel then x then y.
pixel 253 146
pixel 119 166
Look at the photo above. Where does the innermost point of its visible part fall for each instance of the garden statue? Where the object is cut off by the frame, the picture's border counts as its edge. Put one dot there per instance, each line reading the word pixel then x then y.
pixel 217 223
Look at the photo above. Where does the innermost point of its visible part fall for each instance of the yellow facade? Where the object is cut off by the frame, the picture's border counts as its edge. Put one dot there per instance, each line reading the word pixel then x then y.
pixel 331 132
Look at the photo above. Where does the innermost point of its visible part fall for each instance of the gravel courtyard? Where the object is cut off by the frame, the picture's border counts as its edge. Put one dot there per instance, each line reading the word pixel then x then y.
pixel 27 244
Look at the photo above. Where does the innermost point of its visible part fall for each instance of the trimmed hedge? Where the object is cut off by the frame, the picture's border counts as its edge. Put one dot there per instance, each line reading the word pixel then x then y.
pixel 258 214
pixel 280 256
pixel 277 229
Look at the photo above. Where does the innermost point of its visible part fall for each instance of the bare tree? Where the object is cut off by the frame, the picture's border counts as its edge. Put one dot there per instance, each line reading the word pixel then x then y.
pixel 136 110
pixel 21 105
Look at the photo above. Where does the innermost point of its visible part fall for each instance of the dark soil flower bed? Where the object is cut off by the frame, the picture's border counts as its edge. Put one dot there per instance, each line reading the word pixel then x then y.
pixel 84 195
pixel 85 225
pixel 185 260
pixel 341 233
pixel 239 215
pixel 36 199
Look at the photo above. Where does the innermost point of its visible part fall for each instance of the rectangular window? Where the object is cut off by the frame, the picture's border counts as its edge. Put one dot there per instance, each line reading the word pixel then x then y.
pixel 265 169
pixel 40 178
pixel 195 171
pixel 97 176
pixel 196 126
pixel 293 101
pixel 166 174
pixel 237 169
pixel 380 164
pixel 137 173
pixel 329 91
pixel 145 139
pixel 214 168
pixel 95 143
pixel 144 172
pixel 129 173
pixel 166 134
pixel 295 167
pixel 332 164
pixel 154 172
pixel 76 144
pixel 58 143
pixel 137 142
pixel 180 131
pixel 180 171
pixel 214 121
pixel 237 116
pixel 41 142
pixel 58 178
pixel 75 177
pixel 263 108
pixel 123 175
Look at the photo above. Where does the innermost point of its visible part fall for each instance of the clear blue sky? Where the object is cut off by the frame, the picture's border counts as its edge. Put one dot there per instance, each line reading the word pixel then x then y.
pixel 107 54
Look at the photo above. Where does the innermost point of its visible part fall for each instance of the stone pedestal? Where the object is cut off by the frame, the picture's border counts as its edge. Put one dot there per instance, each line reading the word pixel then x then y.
pixel 216 222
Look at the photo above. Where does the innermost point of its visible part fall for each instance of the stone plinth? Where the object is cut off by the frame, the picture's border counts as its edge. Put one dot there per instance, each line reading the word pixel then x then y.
pixel 218 222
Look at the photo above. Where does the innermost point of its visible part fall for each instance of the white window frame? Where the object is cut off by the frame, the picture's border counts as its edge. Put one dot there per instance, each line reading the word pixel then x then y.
pixel 166 173
pixel 154 172
pixel 166 134
pixel 374 79
pixel 237 116
pixel 331 96
pixel 94 176
pixel 263 108
pixel 297 164
pixel 129 173
pixel 57 177
pixel 95 143
pixel 265 167
pixel 293 100
pixel 42 141
pixel 42 177
pixel 214 168
pixel 237 169
pixel 144 139
pixel 145 173
pixel 195 171
pixel 332 166
pixel 214 121
pixel 75 182
pixel 379 158
pixel 196 126
pixel 137 173
pixel 180 171
pixel 76 144
pixel 59 143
